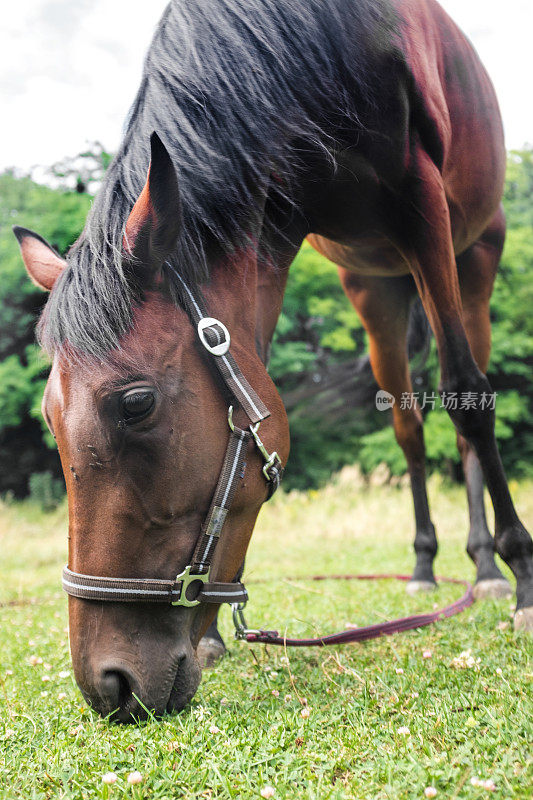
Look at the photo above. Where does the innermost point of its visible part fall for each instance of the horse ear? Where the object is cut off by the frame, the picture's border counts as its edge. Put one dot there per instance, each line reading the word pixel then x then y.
pixel 42 263
pixel 153 226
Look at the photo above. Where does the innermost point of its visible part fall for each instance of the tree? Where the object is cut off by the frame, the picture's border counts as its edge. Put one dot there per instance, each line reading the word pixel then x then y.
pixel 319 359
pixel 59 216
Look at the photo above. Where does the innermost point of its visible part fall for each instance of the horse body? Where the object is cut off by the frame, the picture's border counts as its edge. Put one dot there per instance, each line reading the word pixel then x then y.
pixel 390 157
pixel 448 109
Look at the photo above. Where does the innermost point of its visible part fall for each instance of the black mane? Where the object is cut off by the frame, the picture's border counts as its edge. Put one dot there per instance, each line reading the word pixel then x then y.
pixel 236 89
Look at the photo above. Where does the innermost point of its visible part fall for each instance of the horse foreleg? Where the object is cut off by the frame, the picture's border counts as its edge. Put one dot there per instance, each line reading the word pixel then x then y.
pixel 477 269
pixel 211 646
pixel 383 305
pixel 434 268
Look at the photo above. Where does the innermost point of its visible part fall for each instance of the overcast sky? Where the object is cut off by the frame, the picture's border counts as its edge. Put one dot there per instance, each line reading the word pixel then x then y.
pixel 69 69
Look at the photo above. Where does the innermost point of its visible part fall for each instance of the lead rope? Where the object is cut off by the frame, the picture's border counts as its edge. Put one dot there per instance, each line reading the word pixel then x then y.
pixel 362 634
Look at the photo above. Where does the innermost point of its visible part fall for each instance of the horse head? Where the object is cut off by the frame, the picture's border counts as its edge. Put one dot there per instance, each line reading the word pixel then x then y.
pixel 142 435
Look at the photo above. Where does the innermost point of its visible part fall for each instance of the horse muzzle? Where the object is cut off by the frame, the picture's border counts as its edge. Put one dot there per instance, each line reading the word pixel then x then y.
pixel 133 666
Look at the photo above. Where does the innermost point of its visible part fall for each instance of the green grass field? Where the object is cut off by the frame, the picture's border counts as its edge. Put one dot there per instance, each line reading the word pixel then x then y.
pixel 387 719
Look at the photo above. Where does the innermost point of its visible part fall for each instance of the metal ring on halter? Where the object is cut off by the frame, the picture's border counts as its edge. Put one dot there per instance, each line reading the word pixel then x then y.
pixel 270 458
pixel 241 628
pixel 218 349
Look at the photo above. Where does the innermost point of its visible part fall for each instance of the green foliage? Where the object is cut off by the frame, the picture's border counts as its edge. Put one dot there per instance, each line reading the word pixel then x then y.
pixel 316 319
pixel 58 216
pixel 46 491
pixel 380 447
pixel 519 187
pixel 83 172
pixel 319 448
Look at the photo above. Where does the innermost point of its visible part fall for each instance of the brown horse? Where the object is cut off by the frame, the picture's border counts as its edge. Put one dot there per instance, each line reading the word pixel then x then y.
pixel 369 127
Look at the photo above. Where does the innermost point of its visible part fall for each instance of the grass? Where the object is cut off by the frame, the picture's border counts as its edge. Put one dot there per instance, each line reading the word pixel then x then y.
pixel 244 730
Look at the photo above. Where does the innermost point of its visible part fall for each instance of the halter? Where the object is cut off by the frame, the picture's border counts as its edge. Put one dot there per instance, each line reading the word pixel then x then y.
pixel 193 585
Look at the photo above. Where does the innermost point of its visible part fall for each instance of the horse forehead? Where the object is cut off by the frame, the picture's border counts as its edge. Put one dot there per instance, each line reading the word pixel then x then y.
pixel 160 339
pixel 68 379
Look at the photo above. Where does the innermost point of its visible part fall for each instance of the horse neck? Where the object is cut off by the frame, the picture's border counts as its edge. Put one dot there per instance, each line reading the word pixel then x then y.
pixel 232 295
pixel 248 294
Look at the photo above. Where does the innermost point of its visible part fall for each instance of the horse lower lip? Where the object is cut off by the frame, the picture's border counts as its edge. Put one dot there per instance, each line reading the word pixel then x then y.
pixel 184 686
pixel 176 701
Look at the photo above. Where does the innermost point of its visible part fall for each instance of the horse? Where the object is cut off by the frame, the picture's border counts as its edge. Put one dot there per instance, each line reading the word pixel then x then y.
pixel 370 128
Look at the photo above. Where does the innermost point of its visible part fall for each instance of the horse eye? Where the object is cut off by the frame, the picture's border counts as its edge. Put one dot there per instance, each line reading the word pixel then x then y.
pixel 137 404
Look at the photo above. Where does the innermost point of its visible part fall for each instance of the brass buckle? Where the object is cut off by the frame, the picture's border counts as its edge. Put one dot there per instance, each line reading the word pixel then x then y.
pixel 185 578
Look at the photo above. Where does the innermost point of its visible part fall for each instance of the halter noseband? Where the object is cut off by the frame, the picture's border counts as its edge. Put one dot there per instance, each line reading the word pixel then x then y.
pixel 193 586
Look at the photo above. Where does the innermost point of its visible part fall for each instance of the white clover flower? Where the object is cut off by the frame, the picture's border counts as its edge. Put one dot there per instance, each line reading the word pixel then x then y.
pixel 466 660
pixel 430 791
pixel 134 778
pixel 109 778
pixel 267 791
pixel 404 731
pixel 76 730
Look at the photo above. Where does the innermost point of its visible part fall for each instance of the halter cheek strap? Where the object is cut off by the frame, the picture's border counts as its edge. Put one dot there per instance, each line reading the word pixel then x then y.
pixel 193 586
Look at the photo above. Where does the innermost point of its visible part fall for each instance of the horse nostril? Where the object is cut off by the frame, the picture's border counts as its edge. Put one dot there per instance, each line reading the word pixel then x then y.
pixel 115 690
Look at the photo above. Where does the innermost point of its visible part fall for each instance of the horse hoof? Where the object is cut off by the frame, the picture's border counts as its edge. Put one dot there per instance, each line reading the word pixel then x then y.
pixel 414 587
pixel 523 620
pixel 209 651
pixel 493 588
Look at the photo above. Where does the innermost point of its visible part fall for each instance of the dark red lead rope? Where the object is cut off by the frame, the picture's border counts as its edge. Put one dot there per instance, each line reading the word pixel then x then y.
pixel 369 631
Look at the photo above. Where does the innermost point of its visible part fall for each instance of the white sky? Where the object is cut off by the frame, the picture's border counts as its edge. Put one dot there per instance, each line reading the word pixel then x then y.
pixel 69 69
